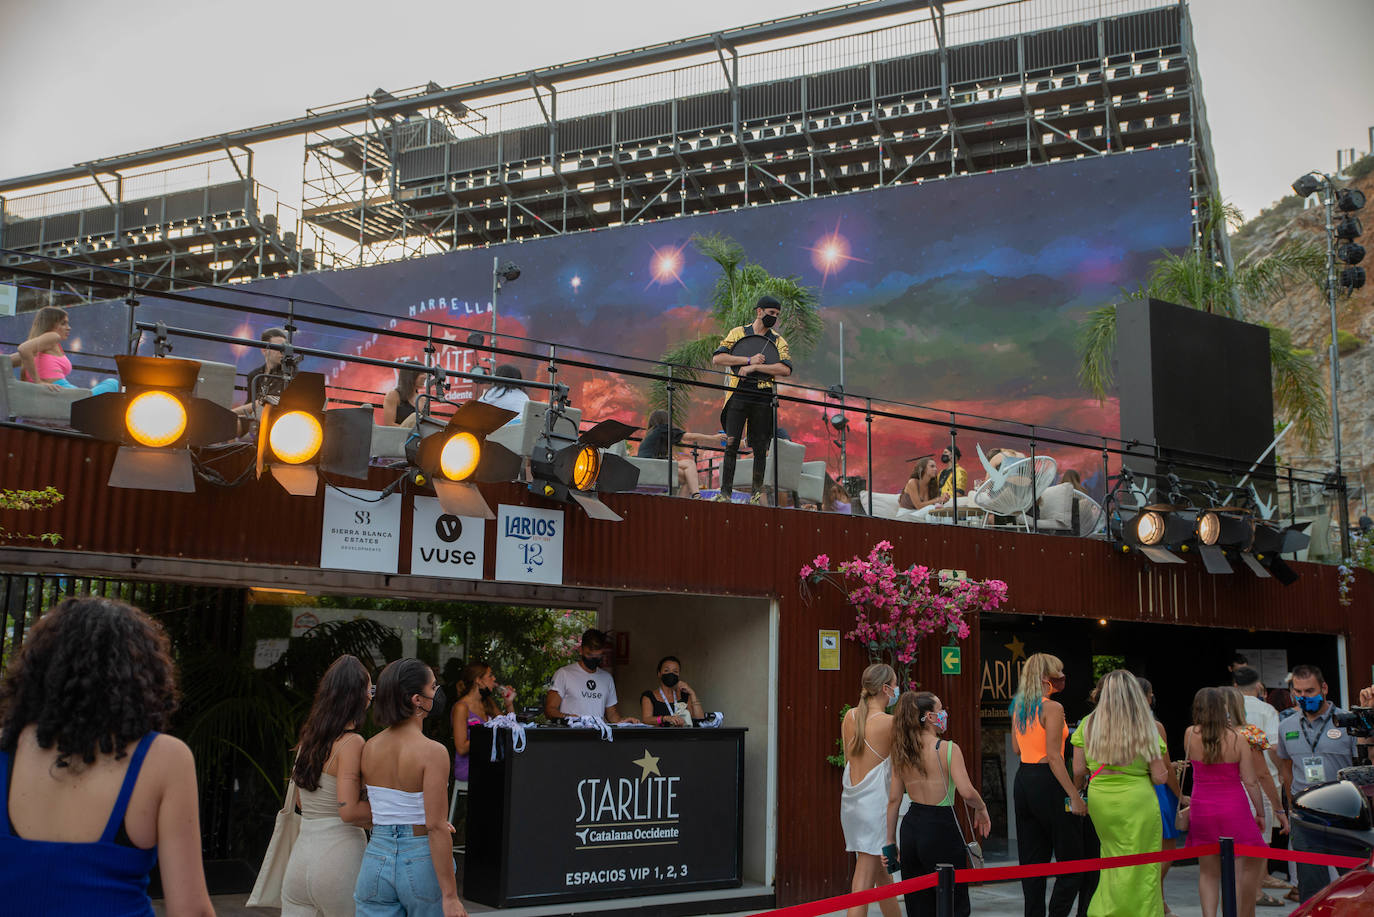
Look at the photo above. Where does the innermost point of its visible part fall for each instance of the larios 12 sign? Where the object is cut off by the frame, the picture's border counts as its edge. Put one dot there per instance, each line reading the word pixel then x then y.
pixel 529 544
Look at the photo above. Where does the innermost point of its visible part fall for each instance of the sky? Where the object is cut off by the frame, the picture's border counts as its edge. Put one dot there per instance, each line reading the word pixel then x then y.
pixel 80 80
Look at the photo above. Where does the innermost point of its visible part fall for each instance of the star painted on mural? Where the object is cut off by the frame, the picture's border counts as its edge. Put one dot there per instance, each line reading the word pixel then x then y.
pixel 1018 649
pixel 649 764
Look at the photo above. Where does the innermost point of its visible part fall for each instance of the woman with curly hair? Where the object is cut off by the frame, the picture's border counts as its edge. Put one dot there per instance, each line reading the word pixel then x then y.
pixel 96 792
pixel 408 865
pixel 327 778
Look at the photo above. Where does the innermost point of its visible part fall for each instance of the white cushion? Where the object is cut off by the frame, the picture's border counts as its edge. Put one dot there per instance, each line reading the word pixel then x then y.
pixel 1056 506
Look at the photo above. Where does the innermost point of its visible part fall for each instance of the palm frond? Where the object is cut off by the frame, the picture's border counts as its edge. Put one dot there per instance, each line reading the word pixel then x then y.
pixel 1298 392
pixel 1097 351
pixel 1268 277
pixel 688 359
pixel 1194 280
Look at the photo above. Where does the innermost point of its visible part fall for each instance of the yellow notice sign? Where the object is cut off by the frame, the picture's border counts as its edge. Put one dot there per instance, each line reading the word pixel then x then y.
pixel 830 651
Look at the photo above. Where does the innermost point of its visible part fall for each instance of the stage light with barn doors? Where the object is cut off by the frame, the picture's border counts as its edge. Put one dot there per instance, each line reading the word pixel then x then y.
pixel 156 420
pixel 1155 530
pixel 578 472
pixel 452 458
pixel 1271 540
pixel 298 438
pixel 1221 533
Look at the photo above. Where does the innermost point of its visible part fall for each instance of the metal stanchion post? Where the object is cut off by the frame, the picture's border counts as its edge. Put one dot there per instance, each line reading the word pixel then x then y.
pixel 1228 877
pixel 944 890
pixel 1035 497
pixel 672 465
pixel 953 468
pixel 868 445
pixel 777 497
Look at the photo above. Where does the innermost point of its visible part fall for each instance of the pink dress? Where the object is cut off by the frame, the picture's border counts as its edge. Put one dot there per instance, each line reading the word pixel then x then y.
pixel 1220 806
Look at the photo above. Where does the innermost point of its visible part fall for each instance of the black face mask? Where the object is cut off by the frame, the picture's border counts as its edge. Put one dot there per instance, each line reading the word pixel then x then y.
pixel 769 320
pixel 669 678
pixel 438 704
pixel 592 662
pixel 484 693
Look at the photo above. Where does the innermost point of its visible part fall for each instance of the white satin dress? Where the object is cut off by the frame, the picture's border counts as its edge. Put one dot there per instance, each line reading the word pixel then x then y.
pixel 863 808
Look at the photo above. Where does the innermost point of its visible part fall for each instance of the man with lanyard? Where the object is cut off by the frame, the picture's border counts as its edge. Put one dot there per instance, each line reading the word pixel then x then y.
pixel 1312 749
pixel 750 401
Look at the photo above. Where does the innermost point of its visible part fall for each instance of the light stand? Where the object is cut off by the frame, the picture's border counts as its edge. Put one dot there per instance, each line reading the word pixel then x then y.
pixel 1305 186
pixel 508 272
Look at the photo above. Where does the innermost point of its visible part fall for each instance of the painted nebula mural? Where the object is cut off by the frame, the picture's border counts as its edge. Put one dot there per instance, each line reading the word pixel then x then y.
pixel 957 295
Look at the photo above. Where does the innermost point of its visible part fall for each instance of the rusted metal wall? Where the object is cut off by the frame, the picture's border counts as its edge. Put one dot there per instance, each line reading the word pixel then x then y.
pixel 668 545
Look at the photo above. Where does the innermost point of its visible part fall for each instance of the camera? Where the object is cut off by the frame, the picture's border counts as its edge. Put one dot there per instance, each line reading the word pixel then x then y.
pixel 1358 721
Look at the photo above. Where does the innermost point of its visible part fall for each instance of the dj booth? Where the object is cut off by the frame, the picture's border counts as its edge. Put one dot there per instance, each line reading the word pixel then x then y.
pixel 574 817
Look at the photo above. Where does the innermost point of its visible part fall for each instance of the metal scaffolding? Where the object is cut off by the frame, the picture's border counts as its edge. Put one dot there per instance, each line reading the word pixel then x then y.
pixel 939 95
pixel 864 95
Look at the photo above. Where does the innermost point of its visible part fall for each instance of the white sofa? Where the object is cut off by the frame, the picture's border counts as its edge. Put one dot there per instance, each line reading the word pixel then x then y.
pixel 654 474
pixel 32 401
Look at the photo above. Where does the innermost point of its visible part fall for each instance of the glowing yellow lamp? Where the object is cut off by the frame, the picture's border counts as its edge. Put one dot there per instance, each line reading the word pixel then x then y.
pixel 155 419
pixel 1149 528
pixel 295 437
pixel 586 468
pixel 459 457
pixel 1208 528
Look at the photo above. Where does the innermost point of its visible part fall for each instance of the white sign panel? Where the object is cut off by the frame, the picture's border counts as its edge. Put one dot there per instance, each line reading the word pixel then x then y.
pixel 267 652
pixel 9 299
pixel 529 544
pixel 360 532
pixel 444 545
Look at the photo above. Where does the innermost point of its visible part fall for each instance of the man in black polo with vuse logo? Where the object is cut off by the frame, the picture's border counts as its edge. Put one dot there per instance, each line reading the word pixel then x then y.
pixel 751 397
pixel 583 688
pixel 1312 750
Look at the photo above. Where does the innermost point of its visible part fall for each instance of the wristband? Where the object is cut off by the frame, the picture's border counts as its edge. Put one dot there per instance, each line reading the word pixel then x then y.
pixel 658 720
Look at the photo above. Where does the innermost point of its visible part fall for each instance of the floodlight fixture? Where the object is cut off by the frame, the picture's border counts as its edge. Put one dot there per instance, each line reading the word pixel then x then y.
pixel 1308 185
pixel 1352 278
pixel 453 458
pixel 509 272
pixel 1350 253
pixel 1154 530
pixel 1348 200
pixel 1222 532
pixel 580 471
pixel 1349 229
pixel 298 438
pixel 155 419
pixel 839 421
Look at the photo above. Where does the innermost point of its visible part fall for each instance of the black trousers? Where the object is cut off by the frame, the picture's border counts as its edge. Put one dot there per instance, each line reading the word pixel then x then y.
pixel 1044 831
pixel 754 410
pixel 929 837
pixel 1312 878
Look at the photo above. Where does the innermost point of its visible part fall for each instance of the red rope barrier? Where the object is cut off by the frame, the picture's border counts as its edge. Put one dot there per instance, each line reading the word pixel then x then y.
pixel 1011 873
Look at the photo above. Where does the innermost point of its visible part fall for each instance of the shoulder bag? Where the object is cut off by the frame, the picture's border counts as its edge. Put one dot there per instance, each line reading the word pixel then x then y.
pixel 972 847
pixel 267 889
pixel 1181 817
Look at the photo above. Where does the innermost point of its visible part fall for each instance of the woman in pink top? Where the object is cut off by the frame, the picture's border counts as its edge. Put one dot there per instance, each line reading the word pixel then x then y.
pixel 42 358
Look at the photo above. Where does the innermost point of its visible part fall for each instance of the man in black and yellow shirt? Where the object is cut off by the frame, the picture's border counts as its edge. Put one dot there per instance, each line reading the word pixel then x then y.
pixel 750 401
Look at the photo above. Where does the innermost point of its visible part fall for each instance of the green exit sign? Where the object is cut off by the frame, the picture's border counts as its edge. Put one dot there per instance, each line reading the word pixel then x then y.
pixel 951 658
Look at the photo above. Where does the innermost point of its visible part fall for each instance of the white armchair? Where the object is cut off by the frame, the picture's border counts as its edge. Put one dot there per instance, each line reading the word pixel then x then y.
pixel 789 468
pixel 654 474
pixel 811 488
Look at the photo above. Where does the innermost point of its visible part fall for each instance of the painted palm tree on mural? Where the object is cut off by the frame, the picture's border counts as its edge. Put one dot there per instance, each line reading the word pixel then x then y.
pixel 1200 280
pixel 739 286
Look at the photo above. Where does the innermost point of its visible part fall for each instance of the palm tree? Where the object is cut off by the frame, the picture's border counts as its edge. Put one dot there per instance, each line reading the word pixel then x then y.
pixel 739 286
pixel 1199 279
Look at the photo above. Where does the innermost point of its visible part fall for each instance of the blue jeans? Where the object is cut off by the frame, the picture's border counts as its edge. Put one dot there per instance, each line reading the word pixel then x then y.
pixel 397 875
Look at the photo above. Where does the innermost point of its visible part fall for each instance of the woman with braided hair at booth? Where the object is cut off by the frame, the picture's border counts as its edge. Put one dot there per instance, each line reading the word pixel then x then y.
pixel 866 735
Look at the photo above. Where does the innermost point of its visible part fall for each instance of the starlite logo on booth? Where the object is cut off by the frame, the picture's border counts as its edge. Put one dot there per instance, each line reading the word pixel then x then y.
pixel 636 811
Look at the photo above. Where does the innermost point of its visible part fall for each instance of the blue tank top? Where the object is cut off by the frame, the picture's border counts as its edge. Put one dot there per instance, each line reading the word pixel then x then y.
pixel 57 877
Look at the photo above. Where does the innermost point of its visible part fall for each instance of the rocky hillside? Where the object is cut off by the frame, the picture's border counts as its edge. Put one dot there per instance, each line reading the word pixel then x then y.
pixel 1303 310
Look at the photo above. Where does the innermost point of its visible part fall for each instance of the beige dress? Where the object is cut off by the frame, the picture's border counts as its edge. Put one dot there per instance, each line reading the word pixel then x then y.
pixel 324 862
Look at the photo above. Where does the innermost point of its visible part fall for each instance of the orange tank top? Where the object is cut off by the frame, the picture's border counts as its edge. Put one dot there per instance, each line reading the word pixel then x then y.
pixel 1030 742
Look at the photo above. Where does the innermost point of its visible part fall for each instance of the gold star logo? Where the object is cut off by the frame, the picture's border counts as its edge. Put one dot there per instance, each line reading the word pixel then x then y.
pixel 1018 649
pixel 649 765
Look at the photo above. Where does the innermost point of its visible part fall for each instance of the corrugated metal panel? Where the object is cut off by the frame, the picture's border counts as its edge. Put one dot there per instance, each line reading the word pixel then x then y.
pixel 667 545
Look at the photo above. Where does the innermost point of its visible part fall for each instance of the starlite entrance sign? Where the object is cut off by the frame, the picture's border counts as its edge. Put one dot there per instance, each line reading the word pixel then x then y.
pixel 951 660
pixel 529 544
pixel 445 545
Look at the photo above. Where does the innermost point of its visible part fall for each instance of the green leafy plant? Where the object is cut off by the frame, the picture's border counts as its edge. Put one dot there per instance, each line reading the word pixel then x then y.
pixel 739 286
pixel 1200 280
pixel 30 501
pixel 837 758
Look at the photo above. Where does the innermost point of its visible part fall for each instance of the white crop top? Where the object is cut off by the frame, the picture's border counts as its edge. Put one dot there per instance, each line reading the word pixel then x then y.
pixel 395 807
